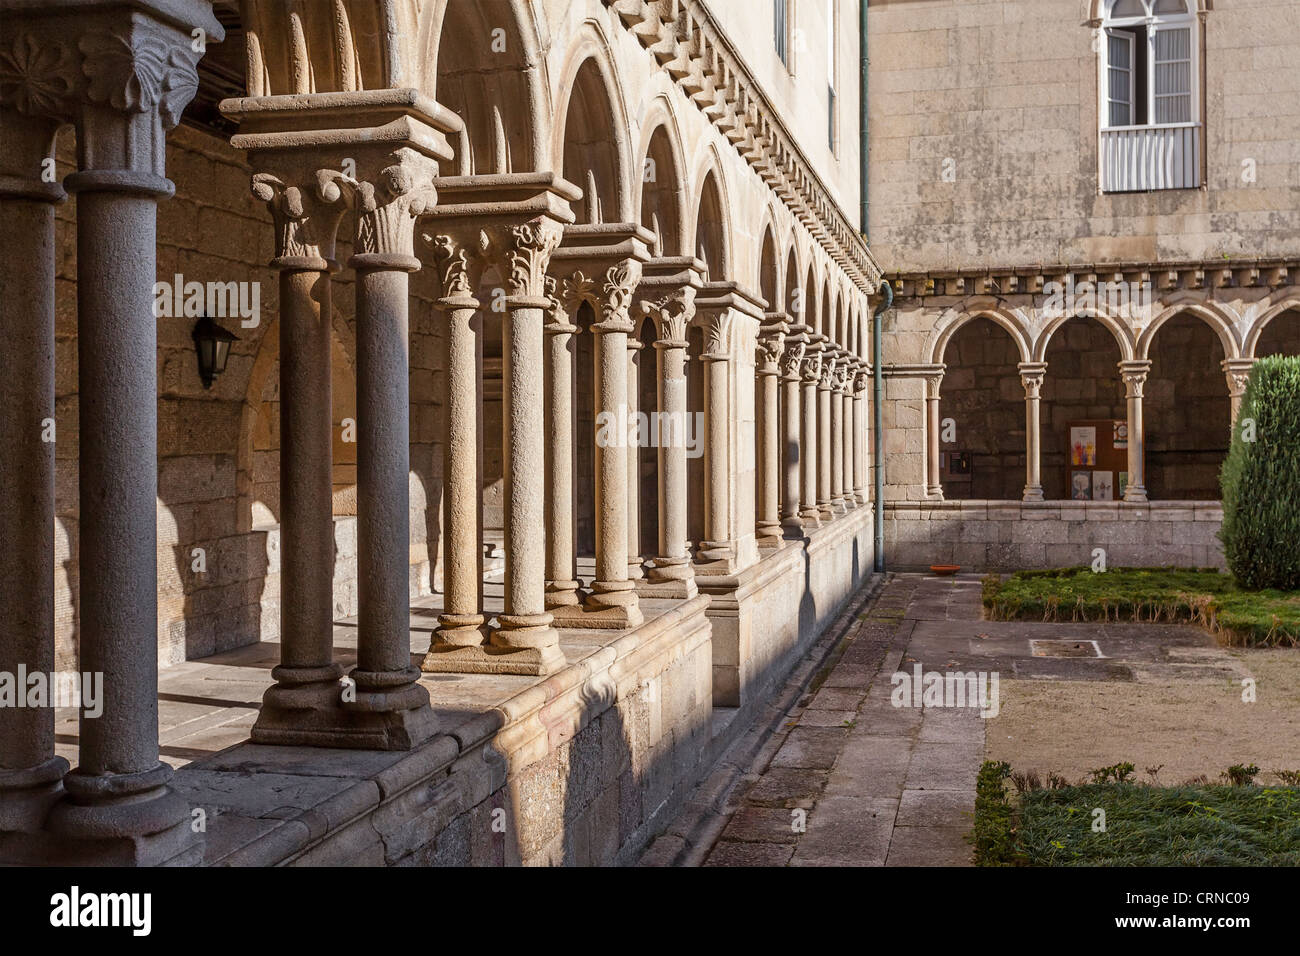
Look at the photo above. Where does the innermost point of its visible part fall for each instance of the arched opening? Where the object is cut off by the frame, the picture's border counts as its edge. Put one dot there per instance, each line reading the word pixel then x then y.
pixel 792 303
pixel 661 195
pixel 710 231
pixel 767 276
pixel 495 102
pixel 1186 411
pixel 1083 449
pixel 591 148
pixel 981 415
pixel 1281 336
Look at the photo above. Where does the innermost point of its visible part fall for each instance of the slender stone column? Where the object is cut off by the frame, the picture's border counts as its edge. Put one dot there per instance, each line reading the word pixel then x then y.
pixel 1135 376
pixel 791 362
pixel 715 554
pixel 139 74
pixel 811 370
pixel 561 570
pixel 635 559
pixel 1238 374
pixel 671 569
pixel 525 638
pixel 934 488
pixel 30 773
pixel 825 386
pixel 1031 376
pixel 860 444
pixel 838 504
pixel 387 692
pixel 460 632
pixel 768 526
pixel 613 599
pixel 306 217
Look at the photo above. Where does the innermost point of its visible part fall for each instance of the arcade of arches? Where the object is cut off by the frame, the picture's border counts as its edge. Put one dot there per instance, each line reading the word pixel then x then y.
pixel 469 278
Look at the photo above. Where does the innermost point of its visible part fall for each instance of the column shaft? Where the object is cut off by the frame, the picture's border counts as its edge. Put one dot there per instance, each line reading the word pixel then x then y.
pixel 1031 376
pixel 769 454
pixel 1135 376
pixel 791 446
pixel 809 513
pixel 635 558
pixel 561 570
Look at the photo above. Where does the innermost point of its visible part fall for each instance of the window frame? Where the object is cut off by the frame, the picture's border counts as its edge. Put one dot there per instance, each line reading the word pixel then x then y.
pixel 1152 22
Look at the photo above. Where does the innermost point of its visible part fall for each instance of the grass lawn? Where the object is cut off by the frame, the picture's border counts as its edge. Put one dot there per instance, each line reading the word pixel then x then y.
pixel 1202 596
pixel 1144 825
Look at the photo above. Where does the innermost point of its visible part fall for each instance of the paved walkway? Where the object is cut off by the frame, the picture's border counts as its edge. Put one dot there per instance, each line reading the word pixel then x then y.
pixel 852 780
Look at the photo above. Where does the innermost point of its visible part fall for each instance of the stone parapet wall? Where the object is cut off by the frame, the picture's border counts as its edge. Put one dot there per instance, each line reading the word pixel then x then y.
pixel 1015 535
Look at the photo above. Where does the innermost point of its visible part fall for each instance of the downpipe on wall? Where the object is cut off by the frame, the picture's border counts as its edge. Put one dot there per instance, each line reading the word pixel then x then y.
pixel 887 300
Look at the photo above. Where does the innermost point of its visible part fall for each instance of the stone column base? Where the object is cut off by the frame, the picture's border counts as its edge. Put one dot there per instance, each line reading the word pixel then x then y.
pixel 491 659
pixel 375 721
pixel 26 795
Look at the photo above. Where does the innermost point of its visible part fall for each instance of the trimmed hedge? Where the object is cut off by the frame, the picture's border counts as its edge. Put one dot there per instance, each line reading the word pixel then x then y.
pixel 1261 480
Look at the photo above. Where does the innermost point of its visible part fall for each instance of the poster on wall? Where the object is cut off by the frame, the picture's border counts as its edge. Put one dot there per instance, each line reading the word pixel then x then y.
pixel 1119 434
pixel 1081 486
pixel 1083 445
pixel 1123 482
pixel 1103 486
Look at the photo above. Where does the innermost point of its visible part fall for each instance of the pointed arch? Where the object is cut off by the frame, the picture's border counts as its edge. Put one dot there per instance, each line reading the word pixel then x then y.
pixel 661 193
pixel 712 234
pixel 1216 316
pixel 978 308
pixel 1123 337
pixel 769 268
pixel 1285 303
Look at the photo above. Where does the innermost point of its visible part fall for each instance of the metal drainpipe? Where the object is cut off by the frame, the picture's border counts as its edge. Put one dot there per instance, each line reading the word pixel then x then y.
pixel 877 341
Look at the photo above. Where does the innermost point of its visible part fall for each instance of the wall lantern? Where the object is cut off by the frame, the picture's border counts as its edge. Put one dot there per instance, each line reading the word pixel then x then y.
pixel 212 344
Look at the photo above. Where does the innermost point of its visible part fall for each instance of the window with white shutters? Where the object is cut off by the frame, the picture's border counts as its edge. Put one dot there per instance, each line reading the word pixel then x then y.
pixel 1150 136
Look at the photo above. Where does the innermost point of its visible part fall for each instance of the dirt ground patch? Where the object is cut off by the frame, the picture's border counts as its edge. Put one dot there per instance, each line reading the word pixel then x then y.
pixel 1191 724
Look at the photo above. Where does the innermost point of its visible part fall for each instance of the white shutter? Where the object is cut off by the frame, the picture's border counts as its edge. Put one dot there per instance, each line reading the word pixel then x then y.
pixel 1119 74
pixel 1173 75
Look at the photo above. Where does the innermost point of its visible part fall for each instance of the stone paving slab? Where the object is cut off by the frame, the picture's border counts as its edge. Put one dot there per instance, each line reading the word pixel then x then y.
pixel 876 784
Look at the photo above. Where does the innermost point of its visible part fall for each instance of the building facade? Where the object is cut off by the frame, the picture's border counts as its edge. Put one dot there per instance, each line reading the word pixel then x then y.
pixel 542 354
pixel 1089 211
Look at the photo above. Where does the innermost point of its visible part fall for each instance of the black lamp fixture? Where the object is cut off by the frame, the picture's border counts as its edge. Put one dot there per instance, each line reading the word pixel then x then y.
pixel 212 344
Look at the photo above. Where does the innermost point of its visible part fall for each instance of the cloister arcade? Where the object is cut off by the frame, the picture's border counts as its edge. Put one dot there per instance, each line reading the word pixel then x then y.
pixel 1004 381
pixel 483 231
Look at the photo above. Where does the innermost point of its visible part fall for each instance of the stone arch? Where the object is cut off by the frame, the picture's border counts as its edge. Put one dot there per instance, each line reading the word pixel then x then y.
pixel 956 318
pixel 825 307
pixel 1098 9
pixel 1287 302
pixel 499 105
pixel 590 136
pixel 662 201
pixel 1216 316
pixel 1116 328
pixel 811 296
pixel 712 238
pixel 791 294
pixel 769 269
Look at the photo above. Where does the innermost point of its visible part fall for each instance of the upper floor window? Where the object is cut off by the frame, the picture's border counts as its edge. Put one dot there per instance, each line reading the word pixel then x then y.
pixel 1150 109
pixel 781 29
pixel 832 69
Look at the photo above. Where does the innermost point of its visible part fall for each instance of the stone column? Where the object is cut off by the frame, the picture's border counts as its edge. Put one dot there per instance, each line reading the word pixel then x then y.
pixel 671 570
pixel 525 640
pixel 30 773
pixel 1135 376
pixel 934 488
pixel 460 634
pixel 635 559
pixel 715 554
pixel 613 600
pixel 860 444
pixel 825 386
pixel 562 590
pixel 306 211
pixel 1031 376
pixel 768 525
pixel 811 369
pixel 1238 374
pixel 838 504
pixel 139 73
pixel 791 362
pixel 387 692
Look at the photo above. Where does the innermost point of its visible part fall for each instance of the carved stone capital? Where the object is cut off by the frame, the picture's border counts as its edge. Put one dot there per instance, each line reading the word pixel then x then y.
pixel 717 325
pixel 620 282
pixel 1135 377
pixel 827 380
pixel 523 251
pixel 556 312
pixel 1238 374
pixel 672 315
pixel 861 378
pixel 1031 377
pixel 932 382
pixel 388 203
pixel 771 345
pixel 811 369
pixel 792 360
pixel 458 261
pixel 306 216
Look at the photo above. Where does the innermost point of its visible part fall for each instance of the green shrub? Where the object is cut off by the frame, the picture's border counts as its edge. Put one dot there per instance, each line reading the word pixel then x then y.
pixel 994 835
pixel 1261 480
